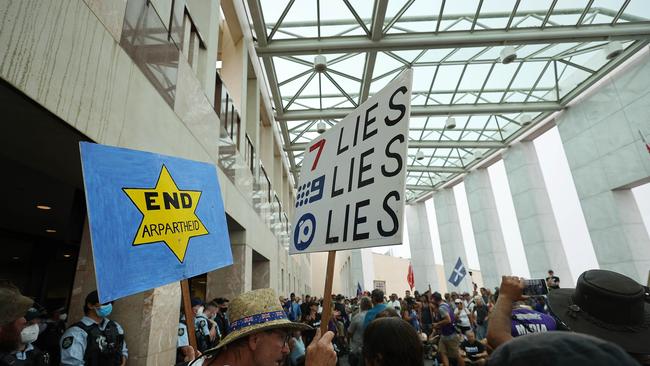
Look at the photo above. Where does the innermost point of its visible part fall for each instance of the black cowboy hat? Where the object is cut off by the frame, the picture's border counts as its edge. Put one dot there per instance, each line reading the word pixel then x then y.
pixel 607 305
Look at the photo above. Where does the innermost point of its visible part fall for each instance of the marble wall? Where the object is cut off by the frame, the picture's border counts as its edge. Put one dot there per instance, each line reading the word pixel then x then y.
pixel 601 135
pixel 66 56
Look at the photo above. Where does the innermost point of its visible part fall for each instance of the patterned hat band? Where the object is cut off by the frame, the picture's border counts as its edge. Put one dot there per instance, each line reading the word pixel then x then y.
pixel 257 319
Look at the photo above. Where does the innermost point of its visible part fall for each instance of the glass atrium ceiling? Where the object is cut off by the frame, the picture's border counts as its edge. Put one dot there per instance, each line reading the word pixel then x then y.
pixel 454 48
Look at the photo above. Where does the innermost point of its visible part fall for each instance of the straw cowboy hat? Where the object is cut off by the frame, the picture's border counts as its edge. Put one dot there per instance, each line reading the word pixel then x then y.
pixel 607 305
pixel 256 311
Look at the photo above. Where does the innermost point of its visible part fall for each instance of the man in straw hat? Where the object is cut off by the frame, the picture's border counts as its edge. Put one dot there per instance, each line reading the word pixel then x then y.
pixel 259 332
pixel 13 307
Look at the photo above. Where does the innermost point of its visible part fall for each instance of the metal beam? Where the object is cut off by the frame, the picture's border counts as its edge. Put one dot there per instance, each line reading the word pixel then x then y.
pixel 301 146
pixel 414 187
pixel 431 110
pixel 454 16
pixel 378 17
pixel 418 92
pixel 460 39
pixel 434 169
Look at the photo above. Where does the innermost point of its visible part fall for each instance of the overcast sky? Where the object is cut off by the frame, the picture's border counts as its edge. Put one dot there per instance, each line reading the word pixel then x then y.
pixel 564 200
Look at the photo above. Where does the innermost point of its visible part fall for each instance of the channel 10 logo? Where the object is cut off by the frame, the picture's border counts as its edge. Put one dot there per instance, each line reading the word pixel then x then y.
pixel 304 232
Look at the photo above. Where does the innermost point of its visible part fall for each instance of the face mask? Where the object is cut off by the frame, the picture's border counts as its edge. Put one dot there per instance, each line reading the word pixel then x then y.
pixel 29 334
pixel 224 310
pixel 63 317
pixel 104 310
pixel 199 311
pixel 41 327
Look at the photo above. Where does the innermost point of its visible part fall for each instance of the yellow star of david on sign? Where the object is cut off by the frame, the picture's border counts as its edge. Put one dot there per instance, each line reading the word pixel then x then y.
pixel 168 214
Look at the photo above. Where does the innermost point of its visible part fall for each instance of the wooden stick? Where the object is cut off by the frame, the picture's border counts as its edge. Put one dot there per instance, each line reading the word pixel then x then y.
pixel 327 296
pixel 189 314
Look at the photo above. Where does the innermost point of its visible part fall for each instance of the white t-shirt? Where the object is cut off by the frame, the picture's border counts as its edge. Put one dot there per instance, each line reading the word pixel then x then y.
pixel 394 304
pixel 463 317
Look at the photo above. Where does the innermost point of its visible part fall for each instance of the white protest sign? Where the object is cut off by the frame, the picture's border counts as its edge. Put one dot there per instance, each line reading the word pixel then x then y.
pixel 351 189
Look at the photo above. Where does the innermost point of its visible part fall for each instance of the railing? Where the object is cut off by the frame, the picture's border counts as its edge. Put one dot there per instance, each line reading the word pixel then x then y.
pixel 246 171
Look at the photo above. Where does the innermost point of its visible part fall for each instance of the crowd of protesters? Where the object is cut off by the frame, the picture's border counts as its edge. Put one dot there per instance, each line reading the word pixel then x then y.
pixel 604 320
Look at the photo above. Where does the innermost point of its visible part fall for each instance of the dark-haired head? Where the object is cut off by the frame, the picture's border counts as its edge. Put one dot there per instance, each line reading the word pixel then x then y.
pixel 391 341
pixel 388 312
pixel 377 296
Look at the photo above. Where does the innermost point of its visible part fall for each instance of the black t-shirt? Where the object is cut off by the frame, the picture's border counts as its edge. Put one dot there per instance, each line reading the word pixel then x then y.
pixel 304 308
pixel 426 315
pixel 472 349
pixel 308 335
pixel 481 314
pixel 553 282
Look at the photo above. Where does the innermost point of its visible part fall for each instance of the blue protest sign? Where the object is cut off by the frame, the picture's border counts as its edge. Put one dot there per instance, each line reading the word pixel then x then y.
pixel 154 219
pixel 458 273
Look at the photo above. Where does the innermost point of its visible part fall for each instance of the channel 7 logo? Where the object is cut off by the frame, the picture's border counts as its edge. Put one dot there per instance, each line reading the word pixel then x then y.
pixel 310 192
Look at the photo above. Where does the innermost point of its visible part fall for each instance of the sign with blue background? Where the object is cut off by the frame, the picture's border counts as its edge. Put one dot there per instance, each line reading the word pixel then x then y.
pixel 154 219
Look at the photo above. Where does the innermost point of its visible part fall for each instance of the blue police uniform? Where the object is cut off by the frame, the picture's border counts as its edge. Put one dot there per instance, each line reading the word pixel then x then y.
pixel 74 341
pixel 183 339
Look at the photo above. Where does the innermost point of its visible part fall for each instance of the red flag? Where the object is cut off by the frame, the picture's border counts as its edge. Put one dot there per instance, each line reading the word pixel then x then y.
pixel 409 278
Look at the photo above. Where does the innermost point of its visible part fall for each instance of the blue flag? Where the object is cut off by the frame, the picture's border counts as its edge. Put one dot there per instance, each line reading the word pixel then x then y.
pixel 359 291
pixel 154 219
pixel 458 273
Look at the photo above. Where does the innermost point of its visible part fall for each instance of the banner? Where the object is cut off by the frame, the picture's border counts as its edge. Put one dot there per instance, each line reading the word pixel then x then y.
pixel 154 219
pixel 351 189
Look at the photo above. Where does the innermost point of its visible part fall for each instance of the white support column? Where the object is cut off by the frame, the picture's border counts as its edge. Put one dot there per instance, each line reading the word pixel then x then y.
pixel 421 244
pixel 490 245
pixel 539 232
pixel 362 268
pixel 601 136
pixel 451 238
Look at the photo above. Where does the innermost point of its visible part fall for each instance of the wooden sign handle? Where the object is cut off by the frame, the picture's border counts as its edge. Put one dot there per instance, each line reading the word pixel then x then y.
pixel 189 314
pixel 327 296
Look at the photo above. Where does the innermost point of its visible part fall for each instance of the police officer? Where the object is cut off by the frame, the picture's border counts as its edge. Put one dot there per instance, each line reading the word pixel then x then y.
pixel 28 354
pixel 49 338
pixel 95 340
pixel 184 352
pixel 201 328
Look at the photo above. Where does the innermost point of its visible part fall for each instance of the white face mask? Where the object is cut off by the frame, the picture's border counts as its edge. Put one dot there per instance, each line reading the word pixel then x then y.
pixel 199 311
pixel 29 334
pixel 63 317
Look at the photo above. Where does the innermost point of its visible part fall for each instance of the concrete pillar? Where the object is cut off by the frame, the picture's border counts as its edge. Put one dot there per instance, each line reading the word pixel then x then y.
pixel 235 279
pixel 421 244
pixel 490 245
pixel 451 238
pixel 244 93
pixel 601 136
pixel 539 232
pixel 253 113
pixel 362 269
pixel 148 318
